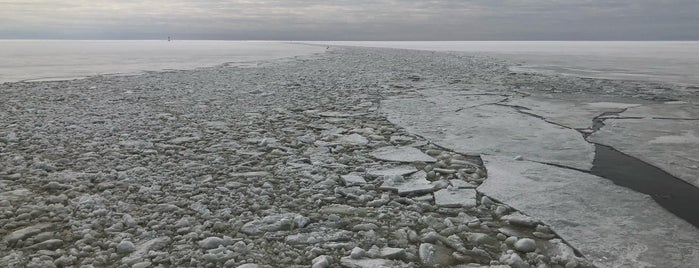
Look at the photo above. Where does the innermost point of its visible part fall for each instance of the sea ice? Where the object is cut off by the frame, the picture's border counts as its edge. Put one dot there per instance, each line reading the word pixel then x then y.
pixel 352 139
pixel 399 170
pixel 415 184
pixel 491 130
pixel 611 225
pixel 402 154
pixel 572 114
pixel 672 110
pixel 455 198
pixel 352 179
pixel 671 145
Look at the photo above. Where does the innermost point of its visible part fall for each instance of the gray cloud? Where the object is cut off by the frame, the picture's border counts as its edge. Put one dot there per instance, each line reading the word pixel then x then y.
pixel 353 20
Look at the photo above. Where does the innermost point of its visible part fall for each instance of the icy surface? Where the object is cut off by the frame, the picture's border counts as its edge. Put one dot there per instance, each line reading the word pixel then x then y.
pixel 611 225
pixel 671 145
pixel 668 110
pixel 352 179
pixel 572 114
pixel 353 139
pixel 66 59
pixel 402 154
pixel 399 170
pixel 163 161
pixel 455 198
pixel 666 136
pixel 652 61
pixel 474 125
pixel 415 184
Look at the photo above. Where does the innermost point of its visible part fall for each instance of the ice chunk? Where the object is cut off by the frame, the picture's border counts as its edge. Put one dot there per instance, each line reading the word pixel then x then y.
pixel 402 154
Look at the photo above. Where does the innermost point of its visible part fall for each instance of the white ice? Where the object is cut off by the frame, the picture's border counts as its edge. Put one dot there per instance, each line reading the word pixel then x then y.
pixel 66 59
pixel 610 224
pixel 475 124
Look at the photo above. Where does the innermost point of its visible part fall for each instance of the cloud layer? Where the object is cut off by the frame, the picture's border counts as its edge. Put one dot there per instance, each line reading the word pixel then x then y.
pixel 352 19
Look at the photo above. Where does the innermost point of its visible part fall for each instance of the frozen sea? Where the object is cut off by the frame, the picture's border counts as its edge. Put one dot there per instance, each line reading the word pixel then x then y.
pixel 35 60
pixel 672 62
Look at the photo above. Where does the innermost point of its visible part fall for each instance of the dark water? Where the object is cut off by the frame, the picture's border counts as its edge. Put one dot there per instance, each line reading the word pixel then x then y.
pixel 673 194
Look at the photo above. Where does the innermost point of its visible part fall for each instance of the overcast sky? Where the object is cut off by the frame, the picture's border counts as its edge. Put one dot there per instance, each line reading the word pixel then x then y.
pixel 352 19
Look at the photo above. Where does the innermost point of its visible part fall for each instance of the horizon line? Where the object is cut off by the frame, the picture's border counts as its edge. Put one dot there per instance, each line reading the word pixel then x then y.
pixel 299 40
